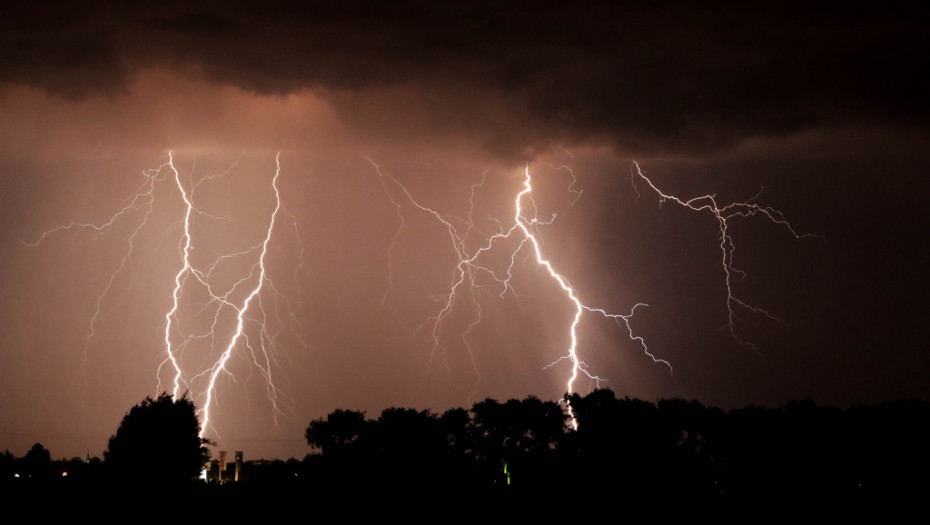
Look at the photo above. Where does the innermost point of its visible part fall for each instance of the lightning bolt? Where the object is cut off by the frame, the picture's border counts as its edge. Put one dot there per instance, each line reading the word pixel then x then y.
pixel 185 270
pixel 220 365
pixel 470 265
pixel 577 365
pixel 190 277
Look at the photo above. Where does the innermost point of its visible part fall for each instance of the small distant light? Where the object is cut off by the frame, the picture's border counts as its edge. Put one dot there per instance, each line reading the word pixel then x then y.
pixel 64 474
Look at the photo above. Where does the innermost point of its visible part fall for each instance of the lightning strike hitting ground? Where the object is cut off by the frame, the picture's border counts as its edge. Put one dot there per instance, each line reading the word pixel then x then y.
pixel 242 299
pixel 470 265
pixel 220 364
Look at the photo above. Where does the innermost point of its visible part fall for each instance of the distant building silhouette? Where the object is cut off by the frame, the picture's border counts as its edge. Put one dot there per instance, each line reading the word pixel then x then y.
pixel 221 471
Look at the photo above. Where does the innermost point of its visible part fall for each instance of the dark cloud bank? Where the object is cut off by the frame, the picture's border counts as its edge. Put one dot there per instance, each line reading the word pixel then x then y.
pixel 647 75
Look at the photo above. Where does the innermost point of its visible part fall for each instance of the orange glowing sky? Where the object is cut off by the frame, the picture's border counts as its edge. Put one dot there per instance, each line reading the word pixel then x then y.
pixel 821 108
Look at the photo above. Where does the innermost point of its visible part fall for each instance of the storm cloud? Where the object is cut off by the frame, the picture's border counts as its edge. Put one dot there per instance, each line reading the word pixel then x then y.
pixel 517 76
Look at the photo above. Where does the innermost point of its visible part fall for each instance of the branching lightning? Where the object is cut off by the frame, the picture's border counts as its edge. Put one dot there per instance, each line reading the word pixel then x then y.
pixel 185 270
pixel 243 298
pixel 142 198
pixel 220 364
pixel 232 318
pixel 524 230
pixel 723 214
pixel 471 264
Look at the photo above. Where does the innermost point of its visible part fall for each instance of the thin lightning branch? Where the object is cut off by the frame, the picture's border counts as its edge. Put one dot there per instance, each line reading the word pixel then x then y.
pixel 400 216
pixel 723 214
pixel 142 198
pixel 464 271
pixel 142 194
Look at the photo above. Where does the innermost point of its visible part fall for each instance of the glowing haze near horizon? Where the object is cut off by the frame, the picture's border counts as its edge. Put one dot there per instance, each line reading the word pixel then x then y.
pixel 440 108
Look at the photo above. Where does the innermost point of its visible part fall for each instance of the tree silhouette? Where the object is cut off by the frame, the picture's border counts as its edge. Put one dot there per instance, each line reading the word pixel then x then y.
pixel 343 439
pixel 338 432
pixel 158 441
pixel 408 448
pixel 37 463
pixel 517 439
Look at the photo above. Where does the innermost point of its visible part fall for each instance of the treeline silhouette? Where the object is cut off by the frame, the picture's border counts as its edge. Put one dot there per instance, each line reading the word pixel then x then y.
pixel 630 448
pixel 624 452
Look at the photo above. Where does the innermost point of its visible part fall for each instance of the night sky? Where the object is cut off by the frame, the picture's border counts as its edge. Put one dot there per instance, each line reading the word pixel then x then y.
pixel 825 107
